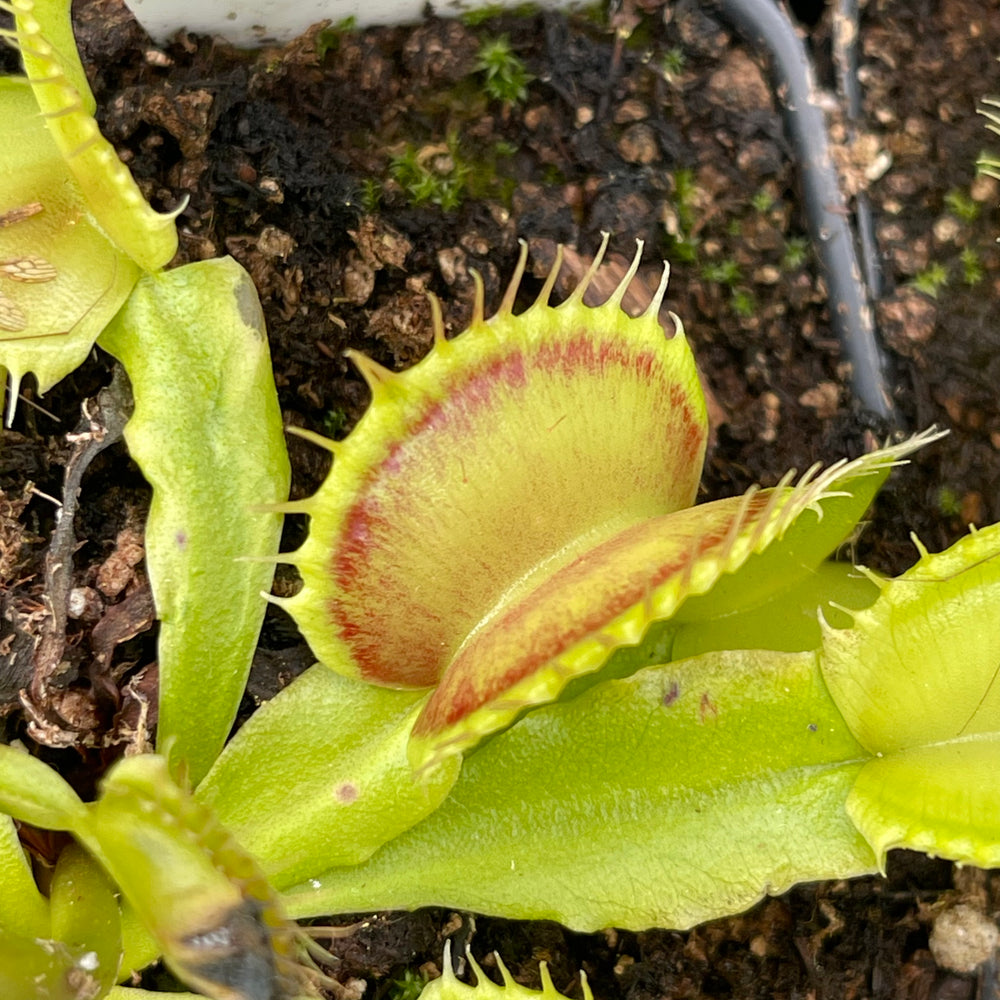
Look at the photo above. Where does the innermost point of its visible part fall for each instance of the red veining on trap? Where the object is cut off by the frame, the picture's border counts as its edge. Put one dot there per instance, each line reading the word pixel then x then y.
pixel 380 607
pixel 465 687
pixel 581 353
pixel 366 529
pixel 695 431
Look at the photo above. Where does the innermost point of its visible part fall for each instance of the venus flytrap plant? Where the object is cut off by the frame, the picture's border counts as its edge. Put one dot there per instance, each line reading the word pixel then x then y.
pixel 612 570
pixel 550 686
pixel 529 420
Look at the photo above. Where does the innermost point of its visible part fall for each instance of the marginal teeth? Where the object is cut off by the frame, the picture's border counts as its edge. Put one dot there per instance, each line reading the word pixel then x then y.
pixel 437 320
pixel 317 439
pixel 581 289
pixel 510 295
pixel 372 372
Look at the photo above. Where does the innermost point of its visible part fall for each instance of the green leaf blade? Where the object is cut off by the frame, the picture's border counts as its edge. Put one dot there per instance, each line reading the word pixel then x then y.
pixel 319 776
pixel 32 792
pixel 207 434
pixel 789 621
pixel 680 794
pixel 85 916
pixel 23 909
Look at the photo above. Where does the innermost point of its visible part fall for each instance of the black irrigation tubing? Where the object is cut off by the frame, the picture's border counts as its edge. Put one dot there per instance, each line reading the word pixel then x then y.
pixel 767 27
pixel 846 34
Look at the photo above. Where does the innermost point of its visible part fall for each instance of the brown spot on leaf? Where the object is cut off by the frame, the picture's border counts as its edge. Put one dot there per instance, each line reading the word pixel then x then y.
pixel 671 694
pixel 707 708
pixel 346 793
